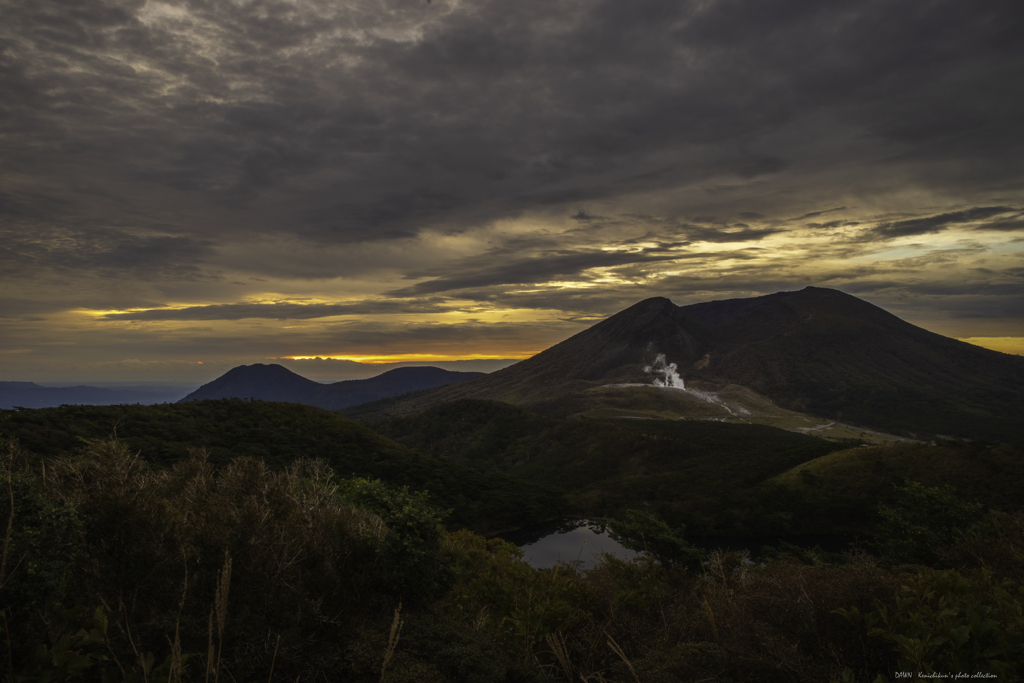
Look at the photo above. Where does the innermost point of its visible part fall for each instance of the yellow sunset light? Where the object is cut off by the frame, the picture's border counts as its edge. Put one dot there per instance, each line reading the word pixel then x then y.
pixel 411 357
pixel 1014 345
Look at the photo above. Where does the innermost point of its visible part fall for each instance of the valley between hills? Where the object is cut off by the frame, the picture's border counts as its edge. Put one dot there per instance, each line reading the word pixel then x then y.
pixel 798 413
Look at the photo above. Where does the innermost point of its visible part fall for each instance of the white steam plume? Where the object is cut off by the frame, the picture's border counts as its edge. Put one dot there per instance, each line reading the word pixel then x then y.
pixel 666 374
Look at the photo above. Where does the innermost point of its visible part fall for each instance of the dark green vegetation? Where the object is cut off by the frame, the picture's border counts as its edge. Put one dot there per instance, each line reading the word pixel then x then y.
pixel 828 495
pixel 816 351
pixel 715 478
pixel 122 570
pixel 279 434
pixel 228 565
pixel 696 473
pixel 239 540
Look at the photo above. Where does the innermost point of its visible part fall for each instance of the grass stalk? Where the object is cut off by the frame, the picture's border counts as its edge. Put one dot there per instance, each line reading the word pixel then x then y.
pixel 622 655
pixel 221 606
pixel 7 545
pixel 10 515
pixel 176 665
pixel 273 661
pixel 10 654
pixel 711 618
pixel 396 631
pixel 557 643
pixel 209 647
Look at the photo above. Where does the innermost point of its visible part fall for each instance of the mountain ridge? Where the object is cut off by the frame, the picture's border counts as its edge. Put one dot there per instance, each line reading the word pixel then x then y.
pixel 815 350
pixel 272 382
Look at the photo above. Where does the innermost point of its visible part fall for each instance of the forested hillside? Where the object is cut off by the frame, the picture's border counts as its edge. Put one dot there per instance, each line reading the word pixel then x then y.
pixel 278 434
pixel 119 569
pixel 692 472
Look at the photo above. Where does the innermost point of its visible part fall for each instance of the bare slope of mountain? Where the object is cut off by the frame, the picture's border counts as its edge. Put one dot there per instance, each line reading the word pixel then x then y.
pixel 277 383
pixel 816 350
pixel 391 383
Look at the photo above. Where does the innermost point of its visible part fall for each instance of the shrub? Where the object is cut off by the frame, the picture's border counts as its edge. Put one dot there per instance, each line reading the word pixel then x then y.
pixel 42 543
pixel 643 532
pixel 926 519
pixel 943 622
pixel 308 563
pixel 996 543
pixel 521 606
pixel 411 564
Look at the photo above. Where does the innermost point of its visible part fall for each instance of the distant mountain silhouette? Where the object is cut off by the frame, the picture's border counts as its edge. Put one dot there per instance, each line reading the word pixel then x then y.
pixel 31 395
pixel 259 381
pixel 277 383
pixel 391 383
pixel 816 350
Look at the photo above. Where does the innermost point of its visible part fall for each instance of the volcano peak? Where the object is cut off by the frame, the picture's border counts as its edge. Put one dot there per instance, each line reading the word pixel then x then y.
pixel 815 350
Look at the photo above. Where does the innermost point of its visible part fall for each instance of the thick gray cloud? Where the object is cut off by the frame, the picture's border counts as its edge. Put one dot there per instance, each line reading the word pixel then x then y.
pixel 103 251
pixel 277 311
pixel 943 221
pixel 368 120
pixel 25 308
pixel 537 269
pixel 375 157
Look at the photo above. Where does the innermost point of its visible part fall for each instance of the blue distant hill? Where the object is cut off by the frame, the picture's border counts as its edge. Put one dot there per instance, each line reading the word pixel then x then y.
pixel 32 395
pixel 277 383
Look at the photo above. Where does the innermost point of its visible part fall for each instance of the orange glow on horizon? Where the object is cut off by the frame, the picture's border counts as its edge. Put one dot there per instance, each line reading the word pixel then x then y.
pixel 1011 345
pixel 411 357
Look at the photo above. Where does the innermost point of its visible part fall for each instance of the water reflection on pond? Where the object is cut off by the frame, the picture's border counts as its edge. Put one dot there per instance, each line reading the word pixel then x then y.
pixel 571 539
pixel 566 540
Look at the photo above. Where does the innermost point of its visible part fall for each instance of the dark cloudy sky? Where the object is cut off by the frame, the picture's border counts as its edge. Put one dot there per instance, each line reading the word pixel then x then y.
pixel 225 181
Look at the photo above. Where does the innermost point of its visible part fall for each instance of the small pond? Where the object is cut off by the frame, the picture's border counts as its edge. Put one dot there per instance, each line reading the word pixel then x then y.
pixel 571 539
pixel 566 540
